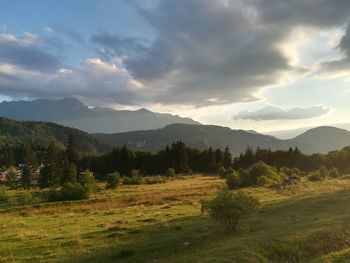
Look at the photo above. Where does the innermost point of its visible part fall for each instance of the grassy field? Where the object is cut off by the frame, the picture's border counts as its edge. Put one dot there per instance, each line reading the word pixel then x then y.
pixel 163 223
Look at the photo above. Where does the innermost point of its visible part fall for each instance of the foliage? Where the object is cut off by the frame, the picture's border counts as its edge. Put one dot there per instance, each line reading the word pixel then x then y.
pixel 11 177
pixel 4 196
pixel 260 174
pixel 87 181
pixel 26 176
pixel 333 172
pixel 170 172
pixel 153 180
pixel 25 198
pixel 232 180
pixel 113 180
pixel 229 209
pixel 68 192
pixel 135 180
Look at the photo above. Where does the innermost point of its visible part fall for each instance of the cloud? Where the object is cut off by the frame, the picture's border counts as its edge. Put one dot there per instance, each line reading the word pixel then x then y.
pixel 203 52
pixel 94 80
pixel 220 51
pixel 48 29
pixel 339 67
pixel 276 113
pixel 109 46
pixel 23 52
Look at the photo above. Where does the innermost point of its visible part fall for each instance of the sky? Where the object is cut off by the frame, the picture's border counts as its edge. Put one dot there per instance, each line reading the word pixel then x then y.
pixel 264 65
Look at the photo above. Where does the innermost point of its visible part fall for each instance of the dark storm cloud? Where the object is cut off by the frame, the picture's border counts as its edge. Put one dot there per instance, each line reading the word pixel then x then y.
pixel 208 52
pixel 275 113
pixel 324 13
pixel 26 55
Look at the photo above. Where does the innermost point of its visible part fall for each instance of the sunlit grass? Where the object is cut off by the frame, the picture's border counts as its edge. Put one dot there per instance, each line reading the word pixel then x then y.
pixel 163 223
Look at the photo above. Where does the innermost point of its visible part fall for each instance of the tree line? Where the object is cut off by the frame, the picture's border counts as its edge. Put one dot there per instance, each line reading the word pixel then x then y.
pixel 60 166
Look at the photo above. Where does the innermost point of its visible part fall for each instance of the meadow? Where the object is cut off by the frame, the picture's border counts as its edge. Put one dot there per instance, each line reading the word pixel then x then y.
pixel 308 222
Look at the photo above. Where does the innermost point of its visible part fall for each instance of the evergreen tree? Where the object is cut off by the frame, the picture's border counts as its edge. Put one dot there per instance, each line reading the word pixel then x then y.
pixel 70 173
pixel 71 151
pixel 227 158
pixel 180 158
pixel 26 176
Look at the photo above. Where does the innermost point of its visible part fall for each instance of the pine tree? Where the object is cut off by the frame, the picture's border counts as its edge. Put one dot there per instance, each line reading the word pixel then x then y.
pixel 26 176
pixel 227 158
pixel 71 151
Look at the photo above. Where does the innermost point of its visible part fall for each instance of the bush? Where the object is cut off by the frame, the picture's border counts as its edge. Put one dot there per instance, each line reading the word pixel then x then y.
pixel 25 198
pixel 333 172
pixel 232 180
pixel 170 172
pixel 87 181
pixel 11 178
pixel 229 209
pixel 113 180
pixel 315 176
pixel 251 176
pixel 153 180
pixel 4 196
pixel 222 172
pixel 69 192
pixel 264 181
pixel 135 180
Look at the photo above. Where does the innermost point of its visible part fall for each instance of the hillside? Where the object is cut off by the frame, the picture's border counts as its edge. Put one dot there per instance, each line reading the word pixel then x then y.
pixel 73 113
pixel 318 140
pixel 44 132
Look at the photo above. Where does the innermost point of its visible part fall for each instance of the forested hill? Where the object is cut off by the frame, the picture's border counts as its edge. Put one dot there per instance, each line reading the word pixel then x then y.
pixel 318 140
pixel 41 133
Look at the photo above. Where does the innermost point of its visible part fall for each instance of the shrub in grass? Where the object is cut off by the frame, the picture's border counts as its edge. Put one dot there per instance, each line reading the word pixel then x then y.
pixel 264 181
pixel 113 180
pixel 232 180
pixel 315 176
pixel 153 180
pixel 170 172
pixel 222 172
pixel 87 181
pixel 4 196
pixel 69 192
pixel 25 198
pixel 135 180
pixel 333 172
pixel 229 209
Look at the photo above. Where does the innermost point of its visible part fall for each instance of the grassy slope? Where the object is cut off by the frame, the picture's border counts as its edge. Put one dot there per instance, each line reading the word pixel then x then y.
pixel 307 223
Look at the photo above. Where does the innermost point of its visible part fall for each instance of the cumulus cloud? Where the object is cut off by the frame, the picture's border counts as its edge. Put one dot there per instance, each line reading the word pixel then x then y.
pixel 276 113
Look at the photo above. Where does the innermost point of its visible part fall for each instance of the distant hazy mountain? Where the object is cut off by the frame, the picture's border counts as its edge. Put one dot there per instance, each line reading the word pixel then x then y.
pixel 71 112
pixel 322 139
pixel 42 133
pixel 289 134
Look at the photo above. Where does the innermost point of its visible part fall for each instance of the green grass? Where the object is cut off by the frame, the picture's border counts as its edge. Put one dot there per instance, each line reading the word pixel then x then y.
pixel 163 223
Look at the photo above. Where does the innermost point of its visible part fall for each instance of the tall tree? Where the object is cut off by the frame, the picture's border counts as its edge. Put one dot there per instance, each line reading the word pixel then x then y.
pixel 71 151
pixel 227 158
pixel 26 176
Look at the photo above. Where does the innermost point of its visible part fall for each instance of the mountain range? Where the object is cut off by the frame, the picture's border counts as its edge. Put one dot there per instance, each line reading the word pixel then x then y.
pixel 318 140
pixel 35 121
pixel 73 113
